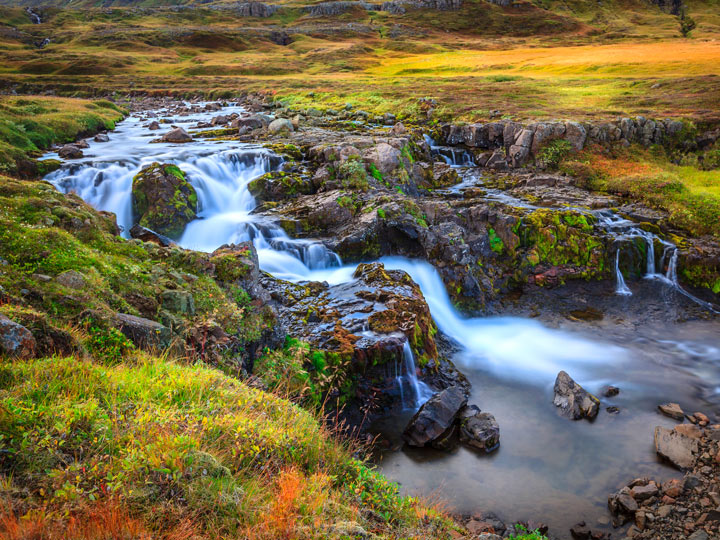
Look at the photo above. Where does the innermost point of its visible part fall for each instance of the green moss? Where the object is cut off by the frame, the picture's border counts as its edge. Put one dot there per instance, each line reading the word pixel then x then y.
pixel 496 243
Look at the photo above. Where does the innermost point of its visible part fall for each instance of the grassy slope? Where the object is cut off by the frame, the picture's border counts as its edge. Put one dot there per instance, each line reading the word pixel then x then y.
pixel 31 124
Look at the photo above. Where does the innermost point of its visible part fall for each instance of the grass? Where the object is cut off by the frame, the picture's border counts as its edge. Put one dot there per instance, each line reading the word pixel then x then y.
pixel 155 446
pixel 690 195
pixel 538 60
pixel 31 124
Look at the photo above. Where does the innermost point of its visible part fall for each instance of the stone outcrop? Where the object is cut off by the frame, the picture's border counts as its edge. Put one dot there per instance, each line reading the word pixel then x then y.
pixel 523 144
pixel 249 9
pixel 398 7
pixel 330 9
pixel 163 199
pixel 573 401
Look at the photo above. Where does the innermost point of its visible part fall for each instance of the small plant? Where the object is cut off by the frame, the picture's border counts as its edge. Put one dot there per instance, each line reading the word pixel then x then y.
pixel 524 534
pixel 108 345
pixel 354 175
pixel 555 152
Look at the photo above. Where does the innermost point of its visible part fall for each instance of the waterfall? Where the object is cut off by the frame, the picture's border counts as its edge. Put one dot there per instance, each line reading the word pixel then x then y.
pixel 620 288
pixel 455 157
pixel 407 376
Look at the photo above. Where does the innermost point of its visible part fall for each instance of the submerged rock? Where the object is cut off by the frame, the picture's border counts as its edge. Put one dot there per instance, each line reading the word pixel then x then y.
pixel 573 400
pixel 435 417
pixel 16 340
pixel 163 200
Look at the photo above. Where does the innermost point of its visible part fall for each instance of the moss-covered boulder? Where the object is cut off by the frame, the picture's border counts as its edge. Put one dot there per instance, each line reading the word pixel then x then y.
pixel 163 199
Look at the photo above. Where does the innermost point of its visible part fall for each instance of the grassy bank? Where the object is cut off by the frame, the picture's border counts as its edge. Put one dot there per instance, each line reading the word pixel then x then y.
pixel 151 446
pixel 689 192
pixel 31 124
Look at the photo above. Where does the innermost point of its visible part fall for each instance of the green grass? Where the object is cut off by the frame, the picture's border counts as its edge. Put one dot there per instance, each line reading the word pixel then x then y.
pixel 29 125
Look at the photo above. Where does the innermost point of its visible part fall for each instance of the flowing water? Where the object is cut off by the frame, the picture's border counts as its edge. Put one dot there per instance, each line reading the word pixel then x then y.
pixel 547 467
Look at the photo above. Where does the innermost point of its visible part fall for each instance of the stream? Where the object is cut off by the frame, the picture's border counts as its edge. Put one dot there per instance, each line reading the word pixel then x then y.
pixel 547 468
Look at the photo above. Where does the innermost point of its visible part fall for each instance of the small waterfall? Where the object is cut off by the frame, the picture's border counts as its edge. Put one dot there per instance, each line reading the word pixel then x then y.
pixel 406 376
pixel 455 157
pixel 620 288
pixel 34 17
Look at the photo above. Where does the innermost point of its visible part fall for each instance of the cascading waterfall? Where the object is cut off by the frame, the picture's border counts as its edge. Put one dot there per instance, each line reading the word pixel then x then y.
pixel 620 288
pixel 624 229
pixel 406 376
pixel 455 157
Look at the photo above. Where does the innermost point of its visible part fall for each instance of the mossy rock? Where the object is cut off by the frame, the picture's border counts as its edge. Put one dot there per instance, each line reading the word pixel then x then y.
pixel 279 185
pixel 163 199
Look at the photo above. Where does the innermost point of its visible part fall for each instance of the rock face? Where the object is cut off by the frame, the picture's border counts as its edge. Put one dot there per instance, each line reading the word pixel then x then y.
pixel 675 447
pixel 253 9
pixel 572 399
pixel 481 431
pixel 435 417
pixel 177 135
pixel 16 341
pixel 163 200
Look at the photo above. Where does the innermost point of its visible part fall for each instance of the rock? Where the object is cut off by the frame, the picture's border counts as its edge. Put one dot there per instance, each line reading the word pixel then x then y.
pixel 163 200
pixel 82 144
pixel 641 493
pixel 280 126
pixel 255 121
pixel 689 430
pixel 398 130
pixel 672 410
pixel 144 333
pixel 177 135
pixel 101 137
pixel 574 402
pixel 622 507
pixel 576 135
pixel 154 125
pixel 385 157
pixel 611 391
pixel 481 431
pixel 178 302
pixel 16 341
pixel 702 419
pixel 146 235
pixel 435 417
pixel 678 449
pixel 71 279
pixel 478 527
pixel 70 151
pixel 348 529
pixel 238 264
pixel 250 9
pixel 698 535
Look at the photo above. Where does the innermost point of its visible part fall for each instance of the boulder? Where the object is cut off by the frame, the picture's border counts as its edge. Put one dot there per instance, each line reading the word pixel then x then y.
pixel 71 279
pixel 481 431
pixel 16 341
pixel 572 399
pixel 181 302
pixel 238 264
pixel 101 137
pixel 154 125
pixel 435 417
pixel 144 333
pixel 177 135
pixel 386 158
pixel 70 151
pixel 163 200
pixel 255 121
pixel 672 410
pixel 678 449
pixel 280 126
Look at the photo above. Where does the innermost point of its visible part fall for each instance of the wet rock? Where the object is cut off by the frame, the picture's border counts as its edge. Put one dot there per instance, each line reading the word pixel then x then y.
pixel 572 400
pixel 611 391
pixel 678 449
pixel 101 138
pixel 146 235
pixel 71 279
pixel 82 144
pixel 238 264
pixel 154 125
pixel 177 135
pixel 280 126
pixel 144 333
pixel 672 410
pixel 70 151
pixel 435 417
pixel 481 431
pixel 163 200
pixel 16 341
